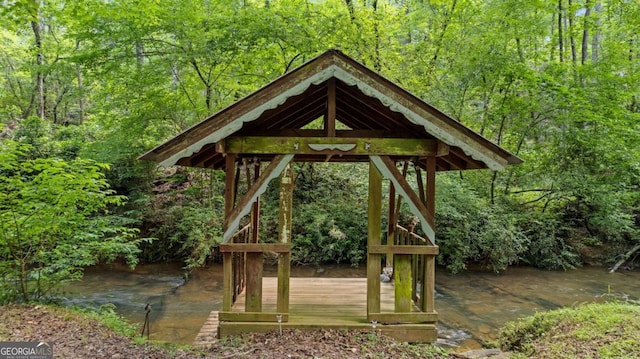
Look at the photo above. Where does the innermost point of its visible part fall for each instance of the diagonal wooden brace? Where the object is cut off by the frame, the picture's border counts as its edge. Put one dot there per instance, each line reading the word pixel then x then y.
pixel 243 207
pixel 387 167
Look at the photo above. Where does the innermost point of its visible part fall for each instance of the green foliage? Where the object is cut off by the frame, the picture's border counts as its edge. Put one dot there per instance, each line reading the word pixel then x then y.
pixel 609 330
pixel 123 76
pixel 549 246
pixel 54 220
pixel 329 214
pixel 185 216
pixel 469 229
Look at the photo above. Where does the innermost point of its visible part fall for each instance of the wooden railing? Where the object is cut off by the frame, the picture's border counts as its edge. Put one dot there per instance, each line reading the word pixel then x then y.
pixel 243 266
pixel 419 273
pixel 239 260
pixel 405 237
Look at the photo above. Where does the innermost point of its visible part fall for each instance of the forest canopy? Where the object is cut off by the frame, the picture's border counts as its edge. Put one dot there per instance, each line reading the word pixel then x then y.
pixel 557 83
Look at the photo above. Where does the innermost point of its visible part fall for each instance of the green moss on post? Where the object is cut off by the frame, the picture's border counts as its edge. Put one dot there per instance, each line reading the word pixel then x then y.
pixel 402 282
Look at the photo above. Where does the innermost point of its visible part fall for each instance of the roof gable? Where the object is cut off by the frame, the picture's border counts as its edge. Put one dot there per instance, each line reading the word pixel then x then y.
pixel 364 101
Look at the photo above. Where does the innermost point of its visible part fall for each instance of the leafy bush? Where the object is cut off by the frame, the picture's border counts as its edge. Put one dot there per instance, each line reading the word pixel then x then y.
pixel 184 215
pixel 54 220
pixel 469 229
pixel 336 233
pixel 548 246
pixel 329 213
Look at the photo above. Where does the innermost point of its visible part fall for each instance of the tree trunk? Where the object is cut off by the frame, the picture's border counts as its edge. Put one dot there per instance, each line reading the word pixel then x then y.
pixel 596 37
pixel 23 281
pixel 35 26
pixel 440 40
pixel 351 9
pixel 585 32
pixel 625 257
pixel 377 64
pixel 139 52
pixel 80 94
pixel 560 33
pixel 492 190
pixel 552 53
pixel 572 40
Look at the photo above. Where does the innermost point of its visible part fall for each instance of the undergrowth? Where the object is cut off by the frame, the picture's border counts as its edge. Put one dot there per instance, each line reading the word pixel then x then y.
pixel 597 330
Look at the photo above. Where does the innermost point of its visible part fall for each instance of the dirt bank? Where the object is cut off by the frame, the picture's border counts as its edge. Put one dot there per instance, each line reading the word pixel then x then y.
pixel 76 336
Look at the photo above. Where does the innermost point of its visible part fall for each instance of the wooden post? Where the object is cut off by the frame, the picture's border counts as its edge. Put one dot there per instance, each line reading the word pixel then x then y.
pixel 374 226
pixel 284 236
pixel 391 230
pixel 421 192
pixel 330 116
pixel 255 211
pixel 227 258
pixel 227 290
pixel 428 287
pixel 402 283
pixel 229 186
pixel 431 189
pixel 415 262
pixel 253 290
pixel 398 206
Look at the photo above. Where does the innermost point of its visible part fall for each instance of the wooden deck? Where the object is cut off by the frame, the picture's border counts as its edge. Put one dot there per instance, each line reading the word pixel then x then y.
pixel 337 303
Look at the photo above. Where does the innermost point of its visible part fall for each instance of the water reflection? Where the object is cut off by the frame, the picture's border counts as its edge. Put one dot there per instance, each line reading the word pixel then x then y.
pixel 471 306
pixel 178 307
pixel 480 302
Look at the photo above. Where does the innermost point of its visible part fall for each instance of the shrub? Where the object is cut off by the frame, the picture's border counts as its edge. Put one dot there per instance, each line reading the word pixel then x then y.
pixel 54 220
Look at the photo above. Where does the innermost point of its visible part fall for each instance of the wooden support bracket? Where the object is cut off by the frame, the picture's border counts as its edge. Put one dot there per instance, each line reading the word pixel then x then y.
pixel 388 169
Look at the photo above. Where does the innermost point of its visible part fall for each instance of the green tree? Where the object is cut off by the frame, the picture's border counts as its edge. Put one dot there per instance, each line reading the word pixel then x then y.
pixel 54 221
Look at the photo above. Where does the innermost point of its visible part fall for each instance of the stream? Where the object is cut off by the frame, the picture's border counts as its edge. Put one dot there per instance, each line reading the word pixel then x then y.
pixel 472 306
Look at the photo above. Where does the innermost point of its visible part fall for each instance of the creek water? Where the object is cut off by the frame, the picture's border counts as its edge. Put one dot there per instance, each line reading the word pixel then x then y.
pixel 471 306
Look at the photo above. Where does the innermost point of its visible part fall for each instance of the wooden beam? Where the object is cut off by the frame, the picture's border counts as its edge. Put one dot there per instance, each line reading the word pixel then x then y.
pixel 374 227
pixel 255 247
pixel 455 163
pixel 284 237
pixel 202 156
pixel 330 116
pixel 388 169
pixel 395 318
pixel 443 149
pixel 229 316
pixel 299 132
pixel 412 333
pixel 244 205
pixel 332 145
pixel 404 249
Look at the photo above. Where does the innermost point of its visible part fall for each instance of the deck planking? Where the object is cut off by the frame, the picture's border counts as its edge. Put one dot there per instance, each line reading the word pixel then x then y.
pixel 319 296
pixel 314 302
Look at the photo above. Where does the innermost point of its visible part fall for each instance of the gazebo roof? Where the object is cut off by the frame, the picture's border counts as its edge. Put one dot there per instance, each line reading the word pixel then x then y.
pixel 365 103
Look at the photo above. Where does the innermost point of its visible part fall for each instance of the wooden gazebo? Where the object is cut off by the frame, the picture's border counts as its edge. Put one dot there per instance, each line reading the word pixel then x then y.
pixel 365 118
